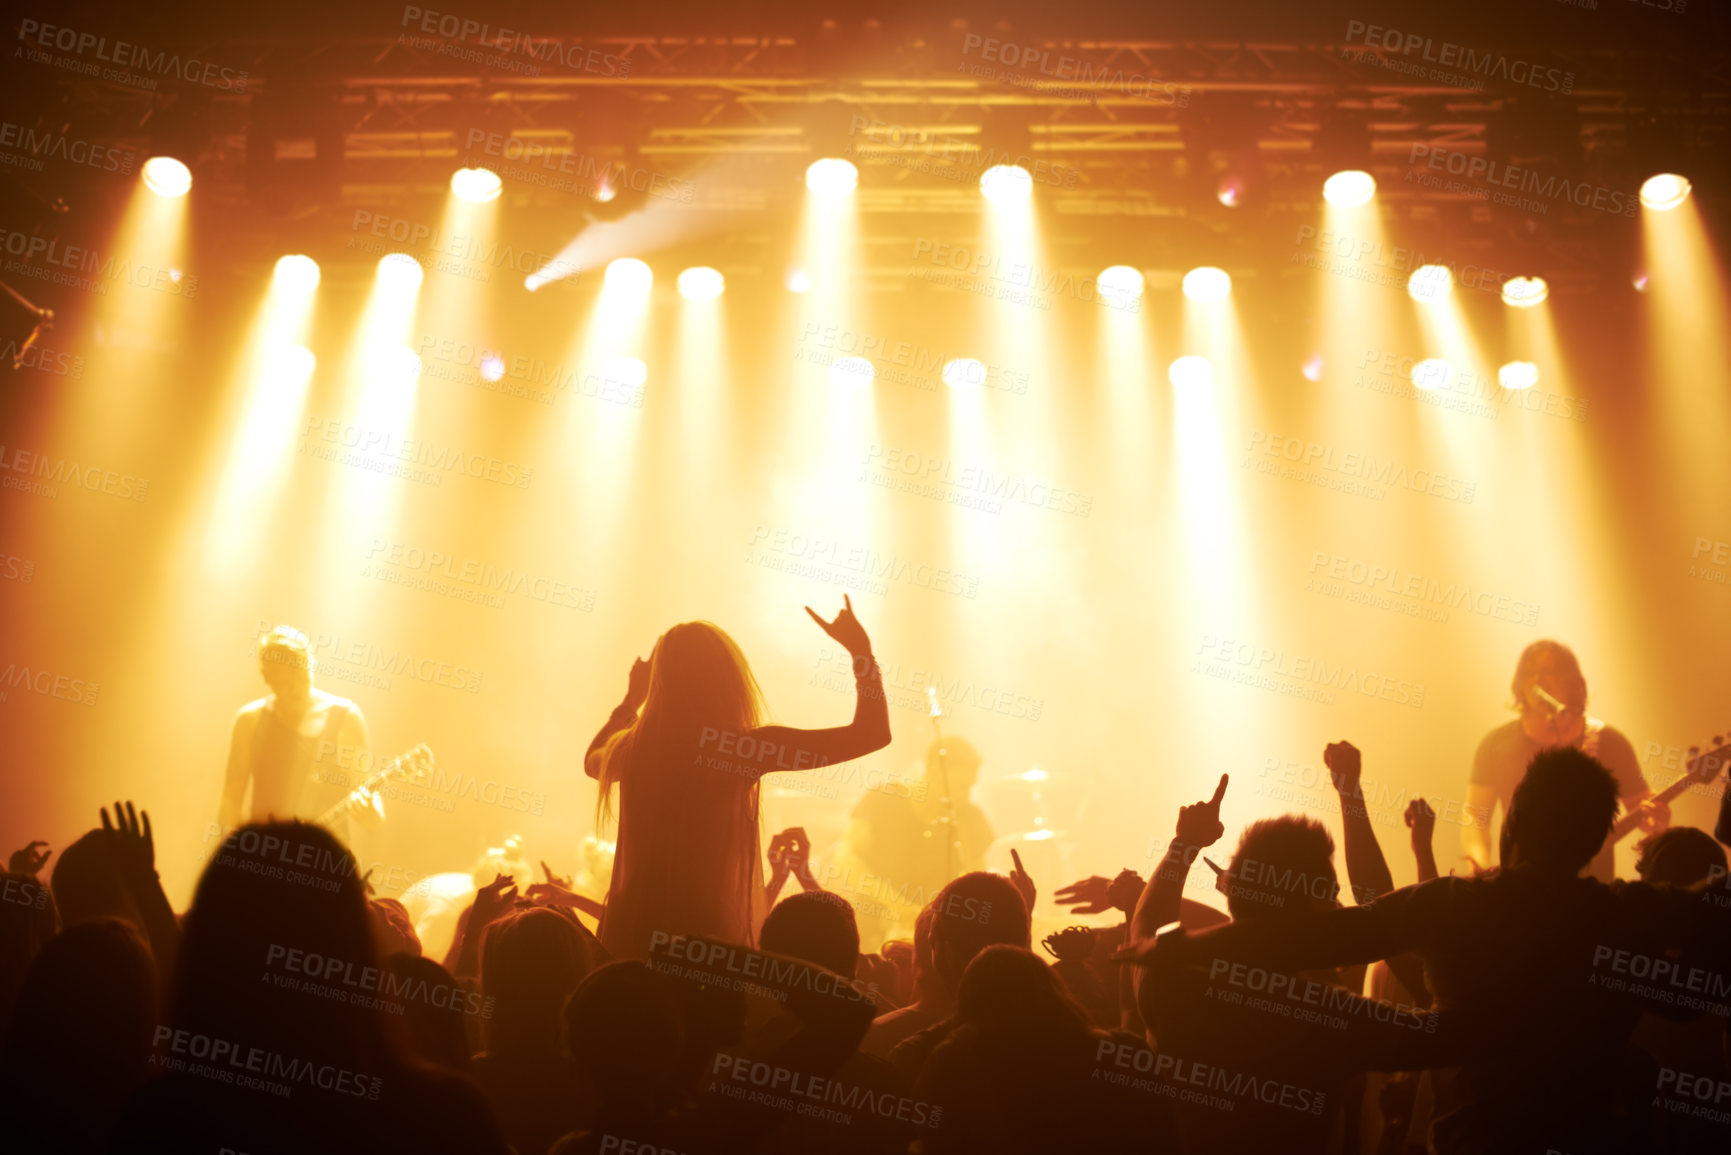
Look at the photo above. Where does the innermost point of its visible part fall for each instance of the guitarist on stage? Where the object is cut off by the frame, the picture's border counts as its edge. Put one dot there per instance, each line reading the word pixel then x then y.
pixel 300 749
pixel 1551 695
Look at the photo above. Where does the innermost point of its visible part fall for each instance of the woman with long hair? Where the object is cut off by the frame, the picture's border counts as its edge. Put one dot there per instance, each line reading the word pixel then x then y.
pixel 686 750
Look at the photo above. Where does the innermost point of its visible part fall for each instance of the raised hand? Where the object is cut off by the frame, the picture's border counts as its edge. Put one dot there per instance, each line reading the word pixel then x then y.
pixel 1125 891
pixel 28 860
pixel 1199 823
pixel 548 877
pixel 1344 763
pixel 791 851
pixel 637 686
pixel 1022 881
pixel 135 843
pixel 846 629
pixel 1421 820
pixel 491 901
pixel 1086 897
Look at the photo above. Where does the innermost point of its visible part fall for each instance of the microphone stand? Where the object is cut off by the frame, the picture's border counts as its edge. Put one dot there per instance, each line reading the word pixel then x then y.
pixel 947 819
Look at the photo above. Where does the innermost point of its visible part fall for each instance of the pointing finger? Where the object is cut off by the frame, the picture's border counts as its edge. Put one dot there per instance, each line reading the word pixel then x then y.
pixel 1219 791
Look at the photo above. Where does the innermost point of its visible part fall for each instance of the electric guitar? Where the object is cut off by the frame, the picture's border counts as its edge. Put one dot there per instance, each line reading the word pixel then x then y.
pixel 412 763
pixel 1701 768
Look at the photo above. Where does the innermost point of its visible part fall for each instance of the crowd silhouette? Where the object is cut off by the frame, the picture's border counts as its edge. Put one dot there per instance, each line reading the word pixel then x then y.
pixel 1529 1007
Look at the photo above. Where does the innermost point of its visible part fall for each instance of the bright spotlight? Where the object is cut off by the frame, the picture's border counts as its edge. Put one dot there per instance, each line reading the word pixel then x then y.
pixel 534 281
pixel 492 367
pixel 851 371
pixel 1525 292
pixel 1430 283
pixel 798 281
pixel 1518 375
pixel 701 283
pixel 1207 284
pixel 1432 373
pixel 831 176
pixel 1229 192
pixel 1191 372
pixel 399 364
pixel 1349 189
pixel 629 275
pixel 964 373
pixel 297 274
pixel 1121 285
pixel 399 271
pixel 1664 192
pixel 1007 183
pixel 476 185
pixel 167 177
pixel 626 371
pixel 298 363
pixel 1312 367
pixel 1640 281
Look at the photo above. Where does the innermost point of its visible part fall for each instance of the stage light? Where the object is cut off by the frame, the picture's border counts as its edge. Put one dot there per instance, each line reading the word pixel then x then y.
pixel 398 364
pixel 831 176
pixel 1007 182
pixel 492 367
pixel 798 281
pixel 1430 283
pixel 476 185
pixel 1518 375
pixel 1525 292
pixel 1229 192
pixel 629 275
pixel 627 371
pixel 1664 192
pixel 167 177
pixel 964 373
pixel 297 273
pixel 1207 284
pixel 1349 189
pixel 399 271
pixel 1191 372
pixel 604 190
pixel 298 364
pixel 1432 373
pixel 701 283
pixel 851 371
pixel 1640 281
pixel 1312 367
pixel 1120 285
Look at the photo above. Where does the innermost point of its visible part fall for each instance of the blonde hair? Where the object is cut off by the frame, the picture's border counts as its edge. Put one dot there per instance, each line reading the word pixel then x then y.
pixel 286 645
pixel 698 677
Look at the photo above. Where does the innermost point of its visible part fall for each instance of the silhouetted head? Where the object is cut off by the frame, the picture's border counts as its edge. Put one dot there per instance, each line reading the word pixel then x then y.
pixel 1561 812
pixel 625 1030
pixel 434 1008
pixel 815 926
pixel 393 929
pixel 1680 856
pixel 970 914
pixel 27 921
pixel 531 961
pixel 280 903
pixel 285 659
pixel 87 883
pixel 1009 991
pixel 1282 865
pixel 1551 693
pixel 954 762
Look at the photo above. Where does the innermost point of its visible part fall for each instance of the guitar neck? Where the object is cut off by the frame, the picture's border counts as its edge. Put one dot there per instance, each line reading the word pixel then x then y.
pixel 1689 778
